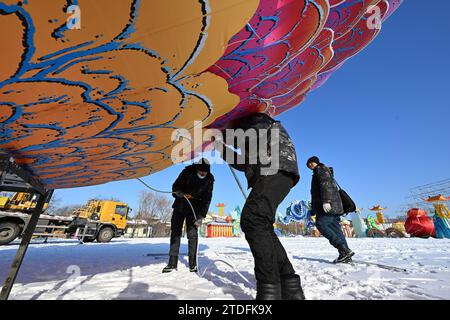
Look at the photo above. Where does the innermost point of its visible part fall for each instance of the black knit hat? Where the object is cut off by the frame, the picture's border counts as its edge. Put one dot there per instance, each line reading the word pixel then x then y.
pixel 203 165
pixel 313 159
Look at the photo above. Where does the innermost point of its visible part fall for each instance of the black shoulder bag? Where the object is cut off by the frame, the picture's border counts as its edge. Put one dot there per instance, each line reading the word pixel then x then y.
pixel 347 202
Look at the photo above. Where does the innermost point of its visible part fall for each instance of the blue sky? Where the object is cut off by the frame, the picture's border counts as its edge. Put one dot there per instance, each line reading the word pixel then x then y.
pixel 382 121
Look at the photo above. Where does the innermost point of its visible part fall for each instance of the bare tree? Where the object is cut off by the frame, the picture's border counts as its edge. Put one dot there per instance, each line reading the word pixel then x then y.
pixel 153 206
pixel 53 205
pixel 66 211
pixel 104 198
pixel 165 209
pixel 147 205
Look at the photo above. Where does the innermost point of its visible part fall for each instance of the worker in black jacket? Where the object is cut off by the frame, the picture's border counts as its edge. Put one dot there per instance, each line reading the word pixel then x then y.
pixel 195 183
pixel 271 177
pixel 327 206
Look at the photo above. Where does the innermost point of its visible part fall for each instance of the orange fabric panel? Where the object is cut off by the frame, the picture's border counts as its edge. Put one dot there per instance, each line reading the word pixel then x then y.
pixel 86 106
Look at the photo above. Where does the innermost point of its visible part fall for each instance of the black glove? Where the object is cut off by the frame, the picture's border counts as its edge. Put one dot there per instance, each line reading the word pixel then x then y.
pixel 198 223
pixel 178 194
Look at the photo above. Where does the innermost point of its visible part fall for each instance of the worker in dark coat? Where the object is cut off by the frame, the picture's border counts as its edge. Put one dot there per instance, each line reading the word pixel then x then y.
pixel 327 206
pixel 194 186
pixel 271 179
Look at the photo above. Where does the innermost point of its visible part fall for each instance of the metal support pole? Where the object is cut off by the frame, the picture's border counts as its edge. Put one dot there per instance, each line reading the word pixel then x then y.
pixel 26 238
pixel 238 182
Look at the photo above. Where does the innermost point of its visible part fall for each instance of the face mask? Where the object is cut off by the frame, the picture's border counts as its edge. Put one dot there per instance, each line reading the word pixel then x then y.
pixel 200 176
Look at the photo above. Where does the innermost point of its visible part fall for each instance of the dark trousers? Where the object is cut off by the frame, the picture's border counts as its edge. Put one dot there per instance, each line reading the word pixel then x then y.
pixel 257 219
pixel 329 226
pixel 176 231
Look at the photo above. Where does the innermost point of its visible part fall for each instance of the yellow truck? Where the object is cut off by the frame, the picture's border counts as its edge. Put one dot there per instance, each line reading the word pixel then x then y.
pixel 99 220
pixel 19 201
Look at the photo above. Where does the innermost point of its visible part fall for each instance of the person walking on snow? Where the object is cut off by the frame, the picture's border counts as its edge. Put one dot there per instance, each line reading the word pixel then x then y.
pixel 327 207
pixel 275 276
pixel 196 183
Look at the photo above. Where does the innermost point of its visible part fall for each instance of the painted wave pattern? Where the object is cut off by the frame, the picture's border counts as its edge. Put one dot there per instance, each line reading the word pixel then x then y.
pixel 84 108
pixel 272 68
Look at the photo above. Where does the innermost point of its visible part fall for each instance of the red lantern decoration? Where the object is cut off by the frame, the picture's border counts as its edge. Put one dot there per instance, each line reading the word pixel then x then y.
pixel 419 225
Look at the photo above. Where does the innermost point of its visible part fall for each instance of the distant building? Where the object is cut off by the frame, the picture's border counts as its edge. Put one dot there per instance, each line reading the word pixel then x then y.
pixel 137 228
pixel 148 228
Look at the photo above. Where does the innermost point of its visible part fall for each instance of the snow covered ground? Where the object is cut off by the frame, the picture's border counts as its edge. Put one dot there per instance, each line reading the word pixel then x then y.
pixel 131 269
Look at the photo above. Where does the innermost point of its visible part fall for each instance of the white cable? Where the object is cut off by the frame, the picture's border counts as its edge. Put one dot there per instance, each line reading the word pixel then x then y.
pixel 151 188
pixel 230 265
pixel 198 236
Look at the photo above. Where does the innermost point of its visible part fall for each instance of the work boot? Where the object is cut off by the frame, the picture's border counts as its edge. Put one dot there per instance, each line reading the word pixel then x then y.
pixel 268 291
pixel 172 265
pixel 193 264
pixel 345 254
pixel 291 288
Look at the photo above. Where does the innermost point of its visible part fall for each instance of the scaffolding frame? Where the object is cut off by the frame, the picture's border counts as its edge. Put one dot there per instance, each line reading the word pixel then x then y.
pixel 418 195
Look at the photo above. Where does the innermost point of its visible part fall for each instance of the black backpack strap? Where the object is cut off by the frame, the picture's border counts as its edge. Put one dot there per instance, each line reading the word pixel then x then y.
pixel 339 187
pixel 332 175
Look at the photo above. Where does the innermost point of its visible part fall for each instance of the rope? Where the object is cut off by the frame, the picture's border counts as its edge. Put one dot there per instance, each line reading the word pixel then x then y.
pixel 230 265
pixel 151 188
pixel 237 181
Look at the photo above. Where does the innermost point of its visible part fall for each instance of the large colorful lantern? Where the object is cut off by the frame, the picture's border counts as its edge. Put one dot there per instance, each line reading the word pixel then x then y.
pixel 91 91
pixel 441 218
pixel 418 224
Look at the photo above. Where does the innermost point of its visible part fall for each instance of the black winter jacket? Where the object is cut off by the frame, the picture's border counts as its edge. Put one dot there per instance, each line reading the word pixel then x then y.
pixel 325 190
pixel 200 189
pixel 252 165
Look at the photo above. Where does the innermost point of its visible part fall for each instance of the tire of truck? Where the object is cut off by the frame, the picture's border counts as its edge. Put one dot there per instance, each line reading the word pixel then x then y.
pixel 105 234
pixel 8 232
